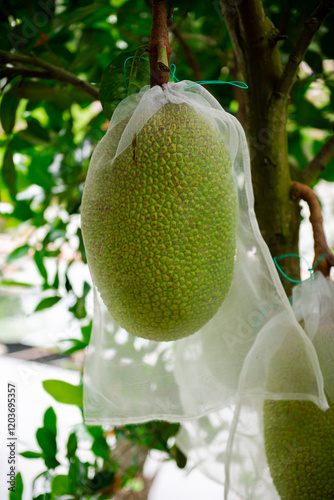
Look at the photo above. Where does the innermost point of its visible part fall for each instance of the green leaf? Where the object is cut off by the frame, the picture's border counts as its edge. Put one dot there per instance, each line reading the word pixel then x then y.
pixel 79 308
pixel 14 283
pixel 328 173
pixel 113 89
pixel 56 233
pixel 68 285
pixel 22 210
pixel 117 3
pixel 86 289
pixel 50 420
pixel 18 253
pixel 86 332
pixel 34 134
pixel 95 430
pixel 179 457
pixel 308 115
pixel 38 258
pixel 55 283
pixel 82 248
pixel 102 480
pixel 37 130
pixel 4 38
pixel 63 392
pixel 31 454
pixel 47 302
pixel 38 169
pixel 78 14
pixel 47 441
pixel 100 448
pixel 61 485
pixel 78 471
pixel 8 171
pixel 72 445
pixel 327 44
pixel 17 494
pixel 9 104
pixel 77 346
pixel 34 91
pixel 314 60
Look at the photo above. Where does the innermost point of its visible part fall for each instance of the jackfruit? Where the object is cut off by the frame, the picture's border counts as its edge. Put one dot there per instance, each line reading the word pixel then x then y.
pixel 299 437
pixel 159 225
pixel 299 444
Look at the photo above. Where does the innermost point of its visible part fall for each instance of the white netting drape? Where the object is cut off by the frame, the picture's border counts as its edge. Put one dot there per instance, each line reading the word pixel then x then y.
pixel 130 380
pixel 228 446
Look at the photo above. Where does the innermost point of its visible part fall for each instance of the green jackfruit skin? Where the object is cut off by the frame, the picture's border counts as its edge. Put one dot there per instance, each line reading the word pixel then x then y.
pixel 159 226
pixel 299 444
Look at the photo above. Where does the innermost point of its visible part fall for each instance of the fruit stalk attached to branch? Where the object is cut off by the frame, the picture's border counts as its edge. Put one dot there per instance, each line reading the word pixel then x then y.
pixel 300 191
pixel 159 47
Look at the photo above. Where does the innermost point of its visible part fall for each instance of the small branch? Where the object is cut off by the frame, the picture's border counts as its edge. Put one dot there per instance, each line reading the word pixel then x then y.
pixel 11 73
pixel 319 162
pixel 302 192
pixel 297 55
pixel 159 47
pixel 51 71
pixel 276 37
pixel 191 59
pixel 170 14
pixel 181 37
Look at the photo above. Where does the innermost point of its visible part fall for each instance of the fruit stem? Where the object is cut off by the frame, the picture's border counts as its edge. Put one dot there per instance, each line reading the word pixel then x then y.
pixel 159 47
pixel 301 191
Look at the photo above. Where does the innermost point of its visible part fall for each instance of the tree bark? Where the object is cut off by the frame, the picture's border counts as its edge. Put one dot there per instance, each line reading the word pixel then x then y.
pixel 159 47
pixel 254 38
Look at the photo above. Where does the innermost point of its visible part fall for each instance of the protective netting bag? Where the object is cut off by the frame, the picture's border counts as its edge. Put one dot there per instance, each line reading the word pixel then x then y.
pixel 129 379
pixel 230 445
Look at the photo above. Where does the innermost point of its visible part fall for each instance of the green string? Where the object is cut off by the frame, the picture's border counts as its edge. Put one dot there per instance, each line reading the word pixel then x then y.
pixel 256 326
pixel 262 313
pixel 236 83
pixel 126 60
pixel 172 75
pixel 299 257
pixel 173 78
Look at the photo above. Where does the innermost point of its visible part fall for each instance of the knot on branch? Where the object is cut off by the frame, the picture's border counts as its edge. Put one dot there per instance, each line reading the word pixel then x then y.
pixel 312 24
pixel 275 37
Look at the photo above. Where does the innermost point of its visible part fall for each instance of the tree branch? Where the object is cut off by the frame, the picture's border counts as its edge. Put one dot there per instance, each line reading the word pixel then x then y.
pixel 191 59
pixel 159 47
pixel 302 192
pixel 51 71
pixel 253 19
pixel 12 72
pixel 297 55
pixel 319 162
pixel 189 55
pixel 253 36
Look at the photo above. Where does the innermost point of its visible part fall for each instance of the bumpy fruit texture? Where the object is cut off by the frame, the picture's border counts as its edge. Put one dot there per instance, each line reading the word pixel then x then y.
pixel 299 443
pixel 299 437
pixel 159 226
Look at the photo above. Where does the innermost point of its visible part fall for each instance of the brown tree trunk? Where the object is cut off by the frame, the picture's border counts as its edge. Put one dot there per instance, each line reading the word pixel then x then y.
pixel 255 42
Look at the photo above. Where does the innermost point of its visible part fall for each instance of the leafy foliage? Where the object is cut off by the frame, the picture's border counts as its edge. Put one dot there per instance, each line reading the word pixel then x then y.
pixel 49 130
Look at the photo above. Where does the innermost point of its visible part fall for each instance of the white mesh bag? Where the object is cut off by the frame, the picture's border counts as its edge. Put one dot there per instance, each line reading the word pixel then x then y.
pixel 313 305
pixel 229 445
pixel 128 379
